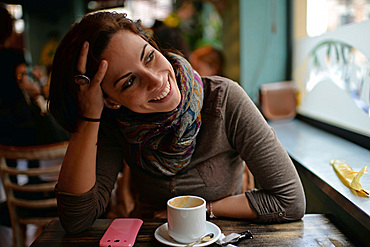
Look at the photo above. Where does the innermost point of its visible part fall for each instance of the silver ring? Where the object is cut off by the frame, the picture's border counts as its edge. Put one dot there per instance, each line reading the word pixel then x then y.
pixel 82 80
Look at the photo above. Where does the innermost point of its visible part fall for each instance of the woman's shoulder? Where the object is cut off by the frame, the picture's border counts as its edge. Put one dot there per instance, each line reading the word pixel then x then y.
pixel 219 84
pixel 218 90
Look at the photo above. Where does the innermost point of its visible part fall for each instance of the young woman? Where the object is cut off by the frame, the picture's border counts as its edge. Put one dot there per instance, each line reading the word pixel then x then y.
pixel 126 102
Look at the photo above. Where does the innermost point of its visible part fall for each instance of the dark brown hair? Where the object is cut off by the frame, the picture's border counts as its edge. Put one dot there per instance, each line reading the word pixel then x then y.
pixel 97 29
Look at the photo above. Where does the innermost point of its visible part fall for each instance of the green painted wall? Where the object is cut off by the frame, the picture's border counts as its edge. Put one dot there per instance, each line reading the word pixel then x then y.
pixel 263 43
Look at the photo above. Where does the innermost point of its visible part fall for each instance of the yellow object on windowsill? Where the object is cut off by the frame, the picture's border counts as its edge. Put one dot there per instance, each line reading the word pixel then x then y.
pixel 349 177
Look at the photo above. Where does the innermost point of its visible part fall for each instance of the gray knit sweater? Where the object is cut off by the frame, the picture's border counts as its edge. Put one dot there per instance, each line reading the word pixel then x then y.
pixel 232 130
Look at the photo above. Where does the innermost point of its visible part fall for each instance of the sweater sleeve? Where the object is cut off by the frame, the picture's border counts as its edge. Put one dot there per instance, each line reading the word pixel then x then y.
pixel 281 197
pixel 79 211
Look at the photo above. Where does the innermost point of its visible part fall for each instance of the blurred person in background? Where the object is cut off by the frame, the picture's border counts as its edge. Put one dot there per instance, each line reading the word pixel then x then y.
pixel 16 118
pixel 207 60
pixel 24 118
pixel 170 37
pixel 48 51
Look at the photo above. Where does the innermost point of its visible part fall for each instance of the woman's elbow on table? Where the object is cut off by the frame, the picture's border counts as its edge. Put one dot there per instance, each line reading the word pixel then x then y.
pixel 75 220
pixel 296 210
pixel 76 213
pixel 295 206
pixel 270 208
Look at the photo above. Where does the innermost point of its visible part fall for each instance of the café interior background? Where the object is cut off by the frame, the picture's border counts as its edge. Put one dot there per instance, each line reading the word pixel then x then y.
pixel 262 41
pixel 321 45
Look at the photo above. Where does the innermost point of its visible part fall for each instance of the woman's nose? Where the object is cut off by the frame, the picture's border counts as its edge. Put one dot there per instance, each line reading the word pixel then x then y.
pixel 153 81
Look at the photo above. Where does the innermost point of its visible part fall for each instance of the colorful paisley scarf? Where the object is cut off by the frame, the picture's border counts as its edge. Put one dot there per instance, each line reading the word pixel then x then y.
pixel 163 143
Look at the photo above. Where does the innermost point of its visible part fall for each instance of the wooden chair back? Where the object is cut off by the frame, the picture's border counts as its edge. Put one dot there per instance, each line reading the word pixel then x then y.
pixel 16 205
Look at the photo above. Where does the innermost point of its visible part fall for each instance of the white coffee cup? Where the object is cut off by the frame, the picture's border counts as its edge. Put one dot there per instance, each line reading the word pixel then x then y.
pixel 186 217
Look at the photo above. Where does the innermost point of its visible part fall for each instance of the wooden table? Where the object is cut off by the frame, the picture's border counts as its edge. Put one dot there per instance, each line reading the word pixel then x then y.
pixel 312 230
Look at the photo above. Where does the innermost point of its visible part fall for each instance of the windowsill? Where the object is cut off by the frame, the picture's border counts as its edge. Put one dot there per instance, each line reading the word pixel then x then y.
pixel 311 149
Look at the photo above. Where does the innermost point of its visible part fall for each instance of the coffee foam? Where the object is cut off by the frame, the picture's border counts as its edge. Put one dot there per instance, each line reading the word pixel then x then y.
pixel 186 202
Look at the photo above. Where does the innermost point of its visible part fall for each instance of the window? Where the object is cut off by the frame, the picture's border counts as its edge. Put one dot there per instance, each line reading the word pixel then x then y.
pixel 331 65
pixel 328 15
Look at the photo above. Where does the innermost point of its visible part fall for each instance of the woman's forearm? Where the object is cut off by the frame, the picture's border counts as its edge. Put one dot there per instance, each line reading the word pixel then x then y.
pixel 78 172
pixel 233 207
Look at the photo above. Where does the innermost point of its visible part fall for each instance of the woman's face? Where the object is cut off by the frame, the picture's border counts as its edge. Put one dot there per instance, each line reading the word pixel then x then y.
pixel 139 77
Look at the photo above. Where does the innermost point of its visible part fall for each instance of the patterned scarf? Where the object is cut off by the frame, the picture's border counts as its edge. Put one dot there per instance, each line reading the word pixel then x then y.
pixel 163 143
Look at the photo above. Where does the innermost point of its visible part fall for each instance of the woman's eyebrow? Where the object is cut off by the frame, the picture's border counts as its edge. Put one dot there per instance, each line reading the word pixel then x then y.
pixel 129 73
pixel 122 77
pixel 142 53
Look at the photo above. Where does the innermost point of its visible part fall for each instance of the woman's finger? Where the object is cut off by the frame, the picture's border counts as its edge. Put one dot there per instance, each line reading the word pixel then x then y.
pixel 99 76
pixel 81 63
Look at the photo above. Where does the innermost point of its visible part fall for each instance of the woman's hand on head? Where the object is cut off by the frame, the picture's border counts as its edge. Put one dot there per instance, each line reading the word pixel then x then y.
pixel 90 96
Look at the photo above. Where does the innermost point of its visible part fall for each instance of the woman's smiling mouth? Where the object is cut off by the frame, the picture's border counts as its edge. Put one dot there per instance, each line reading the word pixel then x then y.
pixel 164 93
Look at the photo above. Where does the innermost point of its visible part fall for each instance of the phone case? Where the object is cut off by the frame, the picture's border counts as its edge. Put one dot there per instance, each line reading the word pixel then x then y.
pixel 121 232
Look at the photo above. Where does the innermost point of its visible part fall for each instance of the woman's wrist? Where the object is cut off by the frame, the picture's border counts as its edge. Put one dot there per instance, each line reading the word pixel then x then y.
pixel 89 119
pixel 82 123
pixel 211 215
pixel 209 207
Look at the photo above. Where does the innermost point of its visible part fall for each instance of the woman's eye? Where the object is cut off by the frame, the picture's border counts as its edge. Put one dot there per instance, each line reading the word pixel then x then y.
pixel 128 83
pixel 150 57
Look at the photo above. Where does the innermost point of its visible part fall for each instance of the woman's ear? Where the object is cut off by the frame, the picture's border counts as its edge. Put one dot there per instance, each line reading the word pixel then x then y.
pixel 110 104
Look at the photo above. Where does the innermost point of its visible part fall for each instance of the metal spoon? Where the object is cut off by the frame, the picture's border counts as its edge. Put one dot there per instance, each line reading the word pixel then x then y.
pixel 205 238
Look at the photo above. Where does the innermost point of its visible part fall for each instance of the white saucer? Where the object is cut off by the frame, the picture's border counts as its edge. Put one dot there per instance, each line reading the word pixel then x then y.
pixel 161 234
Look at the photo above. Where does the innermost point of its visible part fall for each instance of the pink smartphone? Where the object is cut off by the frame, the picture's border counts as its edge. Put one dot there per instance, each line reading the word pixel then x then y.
pixel 121 232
